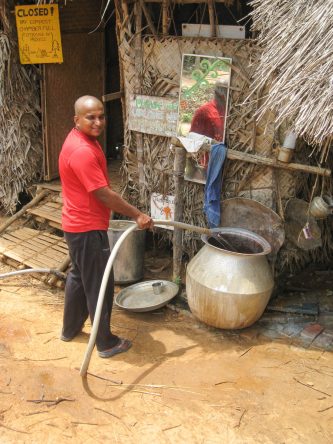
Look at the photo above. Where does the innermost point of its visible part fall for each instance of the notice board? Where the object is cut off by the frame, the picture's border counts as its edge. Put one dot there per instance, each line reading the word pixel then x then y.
pixel 153 115
pixel 38 33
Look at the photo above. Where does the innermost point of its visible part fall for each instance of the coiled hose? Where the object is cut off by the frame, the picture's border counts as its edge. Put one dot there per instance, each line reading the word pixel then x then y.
pixel 107 271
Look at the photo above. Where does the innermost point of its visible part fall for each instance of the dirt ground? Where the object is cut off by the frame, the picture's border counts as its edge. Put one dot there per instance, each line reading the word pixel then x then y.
pixel 181 382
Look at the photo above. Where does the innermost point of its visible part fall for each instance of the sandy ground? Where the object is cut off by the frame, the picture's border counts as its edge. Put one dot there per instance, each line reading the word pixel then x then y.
pixel 181 382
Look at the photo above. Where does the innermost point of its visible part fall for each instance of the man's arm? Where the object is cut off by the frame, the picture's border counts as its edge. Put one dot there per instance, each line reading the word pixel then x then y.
pixel 115 202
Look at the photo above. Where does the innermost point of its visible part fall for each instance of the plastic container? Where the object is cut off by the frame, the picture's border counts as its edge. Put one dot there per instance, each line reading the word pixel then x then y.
pixel 128 264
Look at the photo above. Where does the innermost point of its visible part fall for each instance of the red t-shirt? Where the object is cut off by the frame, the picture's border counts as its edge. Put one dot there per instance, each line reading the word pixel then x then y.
pixel 208 120
pixel 82 168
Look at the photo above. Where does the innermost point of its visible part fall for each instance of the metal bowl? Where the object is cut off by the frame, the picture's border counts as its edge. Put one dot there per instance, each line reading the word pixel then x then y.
pixel 141 297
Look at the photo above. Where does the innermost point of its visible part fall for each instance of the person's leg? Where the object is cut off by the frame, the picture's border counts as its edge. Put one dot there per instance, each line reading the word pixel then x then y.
pixel 75 305
pixel 94 257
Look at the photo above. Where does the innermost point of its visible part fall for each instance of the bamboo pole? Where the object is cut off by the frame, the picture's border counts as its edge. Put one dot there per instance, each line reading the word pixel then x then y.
pixel 179 169
pixel 269 161
pixel 211 18
pixel 138 69
pixel 274 163
pixel 63 267
pixel 17 215
pixel 165 17
pixel 148 18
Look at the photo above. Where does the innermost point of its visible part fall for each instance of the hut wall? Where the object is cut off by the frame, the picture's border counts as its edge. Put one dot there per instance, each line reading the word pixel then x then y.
pixel 160 76
pixel 21 149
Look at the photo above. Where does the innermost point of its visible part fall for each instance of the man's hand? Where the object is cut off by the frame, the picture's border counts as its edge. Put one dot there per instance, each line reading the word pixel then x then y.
pixel 144 221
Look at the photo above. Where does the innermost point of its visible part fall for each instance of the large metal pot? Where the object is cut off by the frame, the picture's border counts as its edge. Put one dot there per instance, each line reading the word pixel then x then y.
pixel 128 264
pixel 230 289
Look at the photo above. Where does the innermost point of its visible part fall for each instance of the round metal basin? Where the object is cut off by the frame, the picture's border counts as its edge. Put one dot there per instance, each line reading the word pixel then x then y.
pixel 141 297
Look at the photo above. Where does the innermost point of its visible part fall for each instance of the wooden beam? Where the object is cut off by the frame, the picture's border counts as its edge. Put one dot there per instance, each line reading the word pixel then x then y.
pixel 268 161
pixel 112 96
pixel 211 18
pixel 179 169
pixel 165 17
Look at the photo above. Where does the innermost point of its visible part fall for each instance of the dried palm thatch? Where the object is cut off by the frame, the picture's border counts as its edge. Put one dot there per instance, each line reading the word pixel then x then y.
pixel 297 60
pixel 20 124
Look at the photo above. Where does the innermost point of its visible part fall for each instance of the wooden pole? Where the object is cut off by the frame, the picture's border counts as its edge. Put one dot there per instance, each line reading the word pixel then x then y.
pixel 63 267
pixel 148 18
pixel 138 69
pixel 165 17
pixel 268 161
pixel 179 169
pixel 26 207
pixel 211 18
pixel 272 162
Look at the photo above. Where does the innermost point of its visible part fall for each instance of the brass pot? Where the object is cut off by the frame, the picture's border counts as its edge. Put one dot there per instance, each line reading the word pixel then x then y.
pixel 230 289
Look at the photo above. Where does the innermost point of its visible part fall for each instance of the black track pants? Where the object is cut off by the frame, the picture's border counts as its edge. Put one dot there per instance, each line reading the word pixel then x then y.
pixel 89 253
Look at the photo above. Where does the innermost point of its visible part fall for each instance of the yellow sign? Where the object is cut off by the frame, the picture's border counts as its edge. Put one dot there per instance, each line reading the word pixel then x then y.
pixel 38 32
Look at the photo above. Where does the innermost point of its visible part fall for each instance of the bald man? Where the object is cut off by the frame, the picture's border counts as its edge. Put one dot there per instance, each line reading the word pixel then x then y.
pixel 87 203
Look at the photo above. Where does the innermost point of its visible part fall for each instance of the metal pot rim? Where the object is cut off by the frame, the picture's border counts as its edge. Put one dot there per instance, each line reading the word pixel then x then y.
pixel 121 225
pixel 241 232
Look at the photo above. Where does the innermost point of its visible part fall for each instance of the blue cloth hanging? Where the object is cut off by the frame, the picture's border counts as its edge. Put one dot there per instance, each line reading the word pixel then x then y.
pixel 214 184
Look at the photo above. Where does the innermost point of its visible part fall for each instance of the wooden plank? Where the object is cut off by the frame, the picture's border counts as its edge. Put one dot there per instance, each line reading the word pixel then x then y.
pixel 50 186
pixel 4 244
pixel 23 255
pixel 112 96
pixel 54 225
pixel 54 204
pixel 47 214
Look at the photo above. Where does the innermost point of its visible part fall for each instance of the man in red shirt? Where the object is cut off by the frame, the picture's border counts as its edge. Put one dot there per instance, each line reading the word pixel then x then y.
pixel 208 120
pixel 87 203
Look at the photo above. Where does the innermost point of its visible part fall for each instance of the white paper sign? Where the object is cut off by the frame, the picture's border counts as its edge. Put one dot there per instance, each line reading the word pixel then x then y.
pixel 162 208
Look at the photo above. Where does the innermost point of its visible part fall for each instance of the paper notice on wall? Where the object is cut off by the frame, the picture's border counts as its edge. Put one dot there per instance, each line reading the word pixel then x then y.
pixel 38 31
pixel 153 115
pixel 162 208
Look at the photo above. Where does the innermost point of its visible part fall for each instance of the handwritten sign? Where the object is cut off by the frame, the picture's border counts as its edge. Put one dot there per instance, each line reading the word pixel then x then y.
pixel 38 32
pixel 153 115
pixel 162 208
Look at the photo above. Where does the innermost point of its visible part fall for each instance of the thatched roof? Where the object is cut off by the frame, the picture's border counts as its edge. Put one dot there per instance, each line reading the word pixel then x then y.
pixel 297 41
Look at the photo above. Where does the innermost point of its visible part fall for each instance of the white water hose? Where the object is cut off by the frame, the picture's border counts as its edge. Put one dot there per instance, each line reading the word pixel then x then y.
pixel 107 271
pixel 57 273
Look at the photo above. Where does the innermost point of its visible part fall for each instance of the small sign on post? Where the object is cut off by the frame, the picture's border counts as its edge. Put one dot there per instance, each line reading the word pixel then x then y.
pixel 38 31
